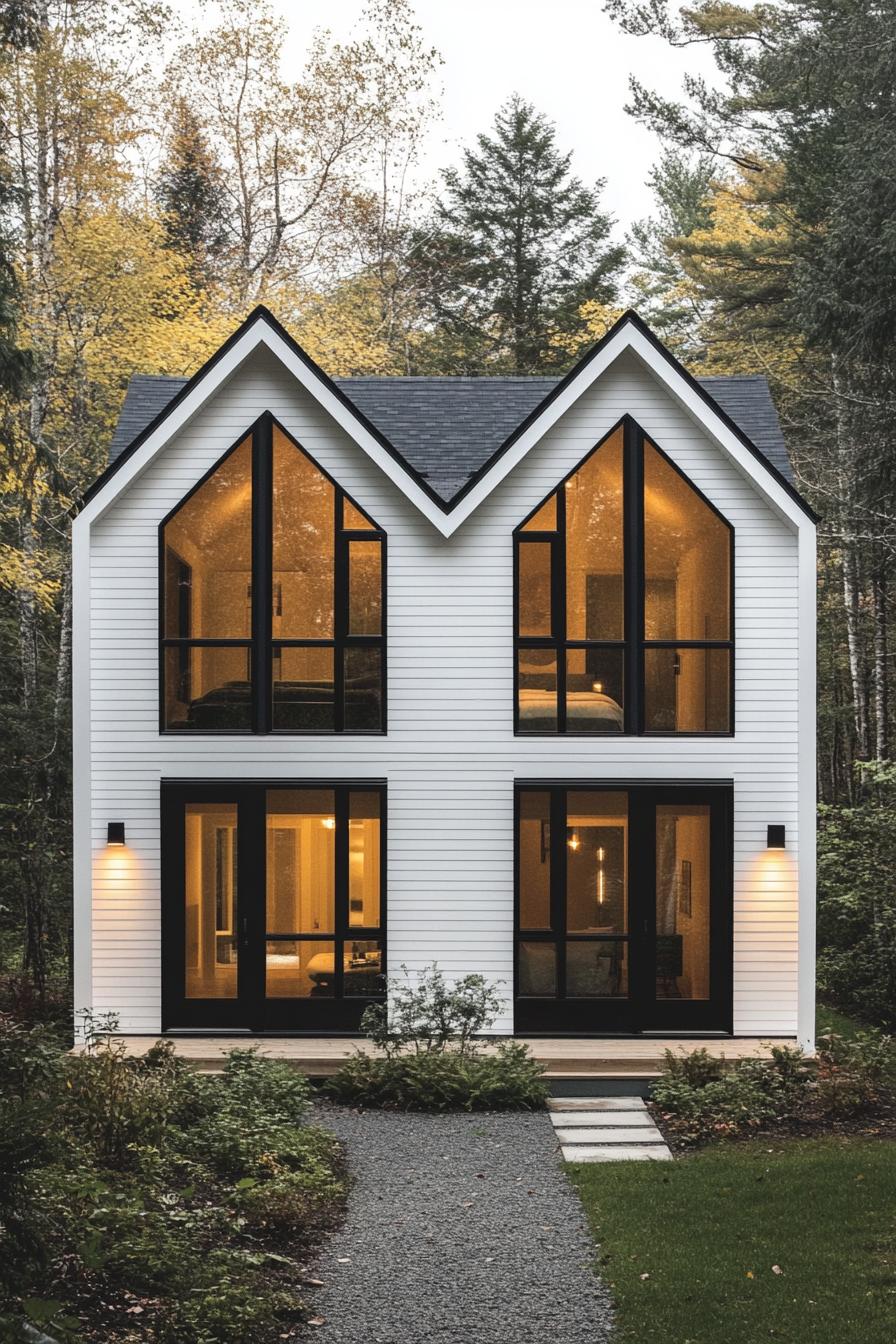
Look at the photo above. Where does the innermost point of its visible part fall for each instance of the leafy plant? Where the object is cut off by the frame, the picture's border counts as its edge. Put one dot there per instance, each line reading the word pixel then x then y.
pixel 706 1099
pixel 507 1080
pixel 426 1014
pixel 138 1191
pixel 853 1074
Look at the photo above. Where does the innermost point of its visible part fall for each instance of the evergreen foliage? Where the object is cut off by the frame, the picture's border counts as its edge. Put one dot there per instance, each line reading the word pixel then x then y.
pixel 520 245
pixel 189 191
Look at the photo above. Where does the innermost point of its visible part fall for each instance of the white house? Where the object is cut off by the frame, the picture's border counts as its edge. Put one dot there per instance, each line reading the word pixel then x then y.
pixel 515 675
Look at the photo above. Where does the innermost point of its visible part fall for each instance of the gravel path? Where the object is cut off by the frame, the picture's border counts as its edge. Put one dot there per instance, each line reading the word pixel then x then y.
pixel 461 1229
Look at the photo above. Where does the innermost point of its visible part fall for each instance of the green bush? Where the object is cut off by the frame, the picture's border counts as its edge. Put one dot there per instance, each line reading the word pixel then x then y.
pixel 854 1074
pixel 427 1015
pixel 508 1080
pixel 432 1058
pixel 294 1204
pixel 857 900
pixel 124 1178
pixel 706 1099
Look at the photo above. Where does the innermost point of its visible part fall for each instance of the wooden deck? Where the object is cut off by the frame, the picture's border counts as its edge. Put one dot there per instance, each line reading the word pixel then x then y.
pixel 568 1058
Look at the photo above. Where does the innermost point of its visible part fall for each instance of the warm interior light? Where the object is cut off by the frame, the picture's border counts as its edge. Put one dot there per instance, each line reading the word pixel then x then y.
pixel 601 890
pixel 597 687
pixel 775 837
pixel 115 833
pixel 329 823
pixel 574 841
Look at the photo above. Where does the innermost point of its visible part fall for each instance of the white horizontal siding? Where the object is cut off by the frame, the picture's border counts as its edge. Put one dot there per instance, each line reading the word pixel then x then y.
pixel 450 757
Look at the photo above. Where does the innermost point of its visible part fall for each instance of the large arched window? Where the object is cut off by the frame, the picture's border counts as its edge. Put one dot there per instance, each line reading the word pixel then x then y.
pixel 624 600
pixel 273 599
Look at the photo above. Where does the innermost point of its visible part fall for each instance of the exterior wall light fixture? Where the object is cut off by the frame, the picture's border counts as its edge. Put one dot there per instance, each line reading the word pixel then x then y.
pixel 776 837
pixel 115 833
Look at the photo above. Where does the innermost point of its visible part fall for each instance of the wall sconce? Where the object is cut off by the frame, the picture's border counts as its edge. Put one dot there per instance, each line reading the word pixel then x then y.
pixel 115 833
pixel 775 838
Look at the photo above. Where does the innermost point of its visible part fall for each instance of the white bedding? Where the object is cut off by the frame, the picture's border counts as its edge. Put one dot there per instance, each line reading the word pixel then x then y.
pixel 580 705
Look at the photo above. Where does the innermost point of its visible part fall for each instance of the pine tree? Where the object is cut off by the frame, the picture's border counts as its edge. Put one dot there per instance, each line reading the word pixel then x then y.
pixel 519 247
pixel 189 194
pixel 681 187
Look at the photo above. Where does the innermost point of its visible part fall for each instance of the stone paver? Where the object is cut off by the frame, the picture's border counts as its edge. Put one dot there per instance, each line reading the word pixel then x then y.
pixel 619 1152
pixel 597 1104
pixel 639 1119
pixel 590 1130
pixel 591 1134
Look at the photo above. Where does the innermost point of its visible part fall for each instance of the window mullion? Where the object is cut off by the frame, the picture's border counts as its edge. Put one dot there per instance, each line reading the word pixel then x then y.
pixel 558 604
pixel 340 612
pixel 633 561
pixel 262 572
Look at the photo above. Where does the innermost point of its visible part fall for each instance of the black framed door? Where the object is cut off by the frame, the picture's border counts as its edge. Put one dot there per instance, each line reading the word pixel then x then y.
pixel 623 909
pixel 273 905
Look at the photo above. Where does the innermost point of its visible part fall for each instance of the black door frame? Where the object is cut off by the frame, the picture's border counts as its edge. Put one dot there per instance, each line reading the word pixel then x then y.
pixel 641 1012
pixel 251 1010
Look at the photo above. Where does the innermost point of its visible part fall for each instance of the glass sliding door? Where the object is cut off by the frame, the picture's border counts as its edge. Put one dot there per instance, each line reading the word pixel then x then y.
pixel 273 906
pixel 623 909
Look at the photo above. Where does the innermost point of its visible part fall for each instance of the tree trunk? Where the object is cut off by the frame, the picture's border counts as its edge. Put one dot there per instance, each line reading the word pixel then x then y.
pixel 879 598
pixel 850 564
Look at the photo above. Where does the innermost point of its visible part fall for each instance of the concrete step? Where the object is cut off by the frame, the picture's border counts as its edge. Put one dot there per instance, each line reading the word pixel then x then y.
pixel 600 1119
pixel 596 1104
pixel 641 1152
pixel 585 1135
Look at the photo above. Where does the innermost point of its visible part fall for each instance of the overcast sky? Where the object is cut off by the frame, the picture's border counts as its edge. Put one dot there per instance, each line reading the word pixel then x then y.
pixel 565 56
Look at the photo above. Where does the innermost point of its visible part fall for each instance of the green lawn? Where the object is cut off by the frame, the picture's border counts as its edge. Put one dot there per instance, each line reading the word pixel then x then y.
pixel 689 1247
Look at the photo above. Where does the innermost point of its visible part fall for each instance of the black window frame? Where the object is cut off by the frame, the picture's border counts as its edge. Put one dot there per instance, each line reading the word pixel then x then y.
pixel 639 1011
pixel 633 645
pixel 261 643
pixel 251 1009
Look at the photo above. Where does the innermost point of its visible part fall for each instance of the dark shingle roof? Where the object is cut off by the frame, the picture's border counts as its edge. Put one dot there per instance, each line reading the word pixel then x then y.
pixel 447 428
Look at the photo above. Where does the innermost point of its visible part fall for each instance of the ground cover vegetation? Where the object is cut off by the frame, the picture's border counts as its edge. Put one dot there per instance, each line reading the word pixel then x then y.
pixel 783 1240
pixel 156 182
pixel 433 1053
pixel 849 1086
pixel 142 1201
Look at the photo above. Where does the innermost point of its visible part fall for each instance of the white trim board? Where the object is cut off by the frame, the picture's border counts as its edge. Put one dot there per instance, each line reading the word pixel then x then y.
pixel 626 336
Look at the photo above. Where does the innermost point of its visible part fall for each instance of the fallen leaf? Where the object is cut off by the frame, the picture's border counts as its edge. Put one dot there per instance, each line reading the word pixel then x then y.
pixel 317 1320
pixel 750 1274
pixel 134 1311
pixel 644 1276
pixel 776 1269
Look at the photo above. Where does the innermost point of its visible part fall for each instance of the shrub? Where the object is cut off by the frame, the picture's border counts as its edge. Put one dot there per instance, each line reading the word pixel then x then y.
pixel 294 1204
pixel 508 1080
pixel 706 1099
pixel 427 1015
pixel 857 900
pixel 123 1177
pixel 854 1074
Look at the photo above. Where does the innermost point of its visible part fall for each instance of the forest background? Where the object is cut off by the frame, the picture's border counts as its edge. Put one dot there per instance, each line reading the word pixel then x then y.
pixel 158 181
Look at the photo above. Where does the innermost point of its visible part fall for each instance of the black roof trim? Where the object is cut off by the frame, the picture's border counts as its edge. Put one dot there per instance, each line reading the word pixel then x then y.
pixel 261 313
pixel 632 318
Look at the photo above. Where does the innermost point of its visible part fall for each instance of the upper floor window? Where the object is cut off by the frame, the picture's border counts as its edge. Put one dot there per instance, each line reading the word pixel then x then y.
pixel 273 606
pixel 624 600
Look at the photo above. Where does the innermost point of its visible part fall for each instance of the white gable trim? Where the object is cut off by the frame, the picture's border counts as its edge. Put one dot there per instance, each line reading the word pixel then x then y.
pixel 626 337
pixel 629 337
pixel 258 333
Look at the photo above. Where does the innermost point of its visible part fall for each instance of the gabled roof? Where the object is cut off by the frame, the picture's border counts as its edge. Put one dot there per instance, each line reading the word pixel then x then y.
pixel 447 429
pixel 448 442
